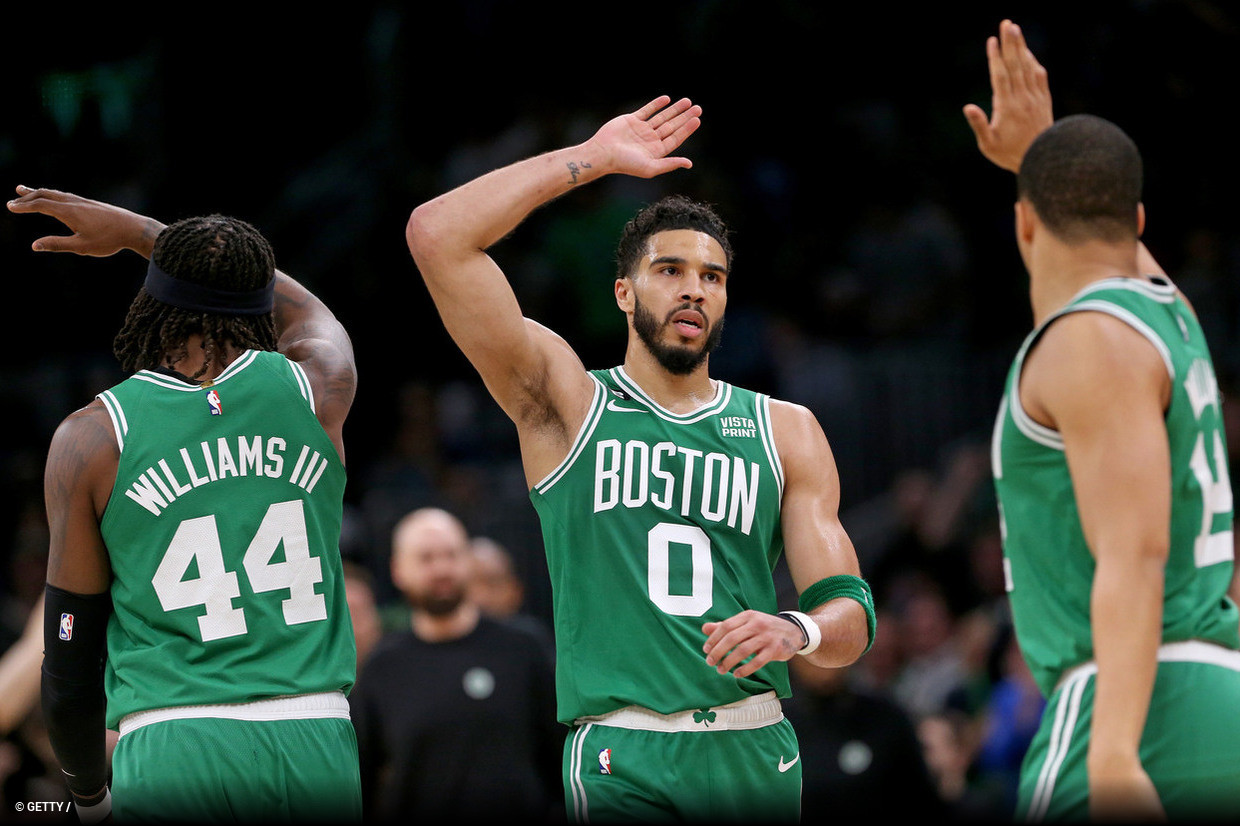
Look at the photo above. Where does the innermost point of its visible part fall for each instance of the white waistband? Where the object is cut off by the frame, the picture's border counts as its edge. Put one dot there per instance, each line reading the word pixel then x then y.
pixel 297 707
pixel 752 712
pixel 1188 651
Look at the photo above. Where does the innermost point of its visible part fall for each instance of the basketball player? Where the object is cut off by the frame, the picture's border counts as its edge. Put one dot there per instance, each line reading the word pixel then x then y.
pixel 1110 465
pixel 195 514
pixel 665 496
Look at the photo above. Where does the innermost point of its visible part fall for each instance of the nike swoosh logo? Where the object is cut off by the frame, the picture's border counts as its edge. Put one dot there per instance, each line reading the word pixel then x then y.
pixel 783 767
pixel 611 405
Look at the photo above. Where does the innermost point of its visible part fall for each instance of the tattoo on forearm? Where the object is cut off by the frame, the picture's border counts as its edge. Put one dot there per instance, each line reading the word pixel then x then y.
pixel 574 170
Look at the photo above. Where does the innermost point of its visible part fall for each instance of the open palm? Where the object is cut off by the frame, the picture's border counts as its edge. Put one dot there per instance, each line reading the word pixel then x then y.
pixel 640 143
pixel 1021 100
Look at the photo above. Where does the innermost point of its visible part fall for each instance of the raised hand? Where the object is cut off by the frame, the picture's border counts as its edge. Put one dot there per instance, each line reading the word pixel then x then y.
pixel 640 143
pixel 98 229
pixel 1020 100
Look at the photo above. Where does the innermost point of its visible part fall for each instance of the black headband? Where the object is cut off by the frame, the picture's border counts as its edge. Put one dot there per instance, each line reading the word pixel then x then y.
pixel 201 298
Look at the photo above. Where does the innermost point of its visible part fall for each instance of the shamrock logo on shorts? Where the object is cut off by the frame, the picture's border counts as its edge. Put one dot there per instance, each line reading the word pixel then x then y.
pixel 705 716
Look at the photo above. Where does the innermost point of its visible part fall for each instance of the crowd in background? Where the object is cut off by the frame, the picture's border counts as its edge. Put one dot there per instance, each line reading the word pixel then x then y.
pixel 876 282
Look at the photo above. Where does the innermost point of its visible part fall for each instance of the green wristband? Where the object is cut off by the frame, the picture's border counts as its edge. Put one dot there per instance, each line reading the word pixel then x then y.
pixel 842 585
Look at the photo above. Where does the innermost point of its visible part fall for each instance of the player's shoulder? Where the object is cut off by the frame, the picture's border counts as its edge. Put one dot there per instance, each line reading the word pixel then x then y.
pixel 84 429
pixel 1085 339
pixel 83 445
pixel 804 451
pixel 328 365
pixel 789 415
pixel 1090 362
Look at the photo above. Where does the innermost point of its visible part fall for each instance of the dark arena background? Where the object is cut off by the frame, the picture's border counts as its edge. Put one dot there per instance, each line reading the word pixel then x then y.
pixel 876 278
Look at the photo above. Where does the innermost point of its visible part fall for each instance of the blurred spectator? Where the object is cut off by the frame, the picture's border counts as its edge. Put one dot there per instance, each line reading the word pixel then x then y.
pixel 934 668
pixel 28 769
pixel 949 743
pixel 880 666
pixel 360 594
pixel 498 588
pixel 860 754
pixel 19 673
pixel 926 521
pixel 494 584
pixel 407 470
pixel 455 715
pixel 1009 719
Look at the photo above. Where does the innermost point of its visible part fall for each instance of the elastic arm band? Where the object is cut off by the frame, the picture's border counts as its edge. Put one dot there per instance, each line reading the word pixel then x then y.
pixel 71 689
pixel 842 585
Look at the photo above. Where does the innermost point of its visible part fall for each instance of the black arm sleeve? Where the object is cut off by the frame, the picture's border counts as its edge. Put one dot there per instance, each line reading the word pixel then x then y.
pixel 74 650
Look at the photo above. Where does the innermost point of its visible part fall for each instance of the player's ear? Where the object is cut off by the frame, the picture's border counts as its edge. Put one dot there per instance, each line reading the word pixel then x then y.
pixel 1140 219
pixel 624 294
pixel 1026 220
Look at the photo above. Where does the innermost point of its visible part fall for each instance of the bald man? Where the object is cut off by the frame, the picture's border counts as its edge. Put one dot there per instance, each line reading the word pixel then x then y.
pixel 430 566
pixel 455 714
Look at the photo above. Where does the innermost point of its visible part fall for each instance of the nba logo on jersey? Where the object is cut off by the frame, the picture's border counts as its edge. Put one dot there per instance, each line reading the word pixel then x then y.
pixel 604 761
pixel 213 401
pixel 66 627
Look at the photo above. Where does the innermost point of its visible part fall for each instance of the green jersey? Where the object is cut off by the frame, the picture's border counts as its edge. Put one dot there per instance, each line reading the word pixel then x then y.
pixel 1048 566
pixel 223 532
pixel 654 524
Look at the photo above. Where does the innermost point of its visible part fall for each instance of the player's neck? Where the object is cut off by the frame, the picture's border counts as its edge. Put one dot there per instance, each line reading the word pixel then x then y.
pixel 1057 271
pixel 196 357
pixel 673 392
pixel 441 628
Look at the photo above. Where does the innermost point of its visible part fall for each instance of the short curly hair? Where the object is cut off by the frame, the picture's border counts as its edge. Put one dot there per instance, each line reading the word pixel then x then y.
pixel 669 213
pixel 214 250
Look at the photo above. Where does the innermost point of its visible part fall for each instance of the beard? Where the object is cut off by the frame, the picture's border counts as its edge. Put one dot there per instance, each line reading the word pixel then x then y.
pixel 676 359
pixel 438 603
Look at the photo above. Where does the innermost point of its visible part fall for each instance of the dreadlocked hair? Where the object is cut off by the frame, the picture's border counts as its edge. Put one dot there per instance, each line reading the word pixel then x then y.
pixel 214 250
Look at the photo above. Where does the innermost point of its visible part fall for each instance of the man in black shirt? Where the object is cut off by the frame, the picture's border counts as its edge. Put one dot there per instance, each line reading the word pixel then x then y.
pixel 455 716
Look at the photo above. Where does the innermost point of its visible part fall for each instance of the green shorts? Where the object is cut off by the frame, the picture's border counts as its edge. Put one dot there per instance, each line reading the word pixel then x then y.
pixel 1190 747
pixel 694 766
pixel 208 769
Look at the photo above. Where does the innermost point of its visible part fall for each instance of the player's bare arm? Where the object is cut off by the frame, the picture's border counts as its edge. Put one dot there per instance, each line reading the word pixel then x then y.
pixel 816 547
pixel 97 229
pixel 531 372
pixel 311 335
pixel 77 482
pixel 308 331
pixel 1104 387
